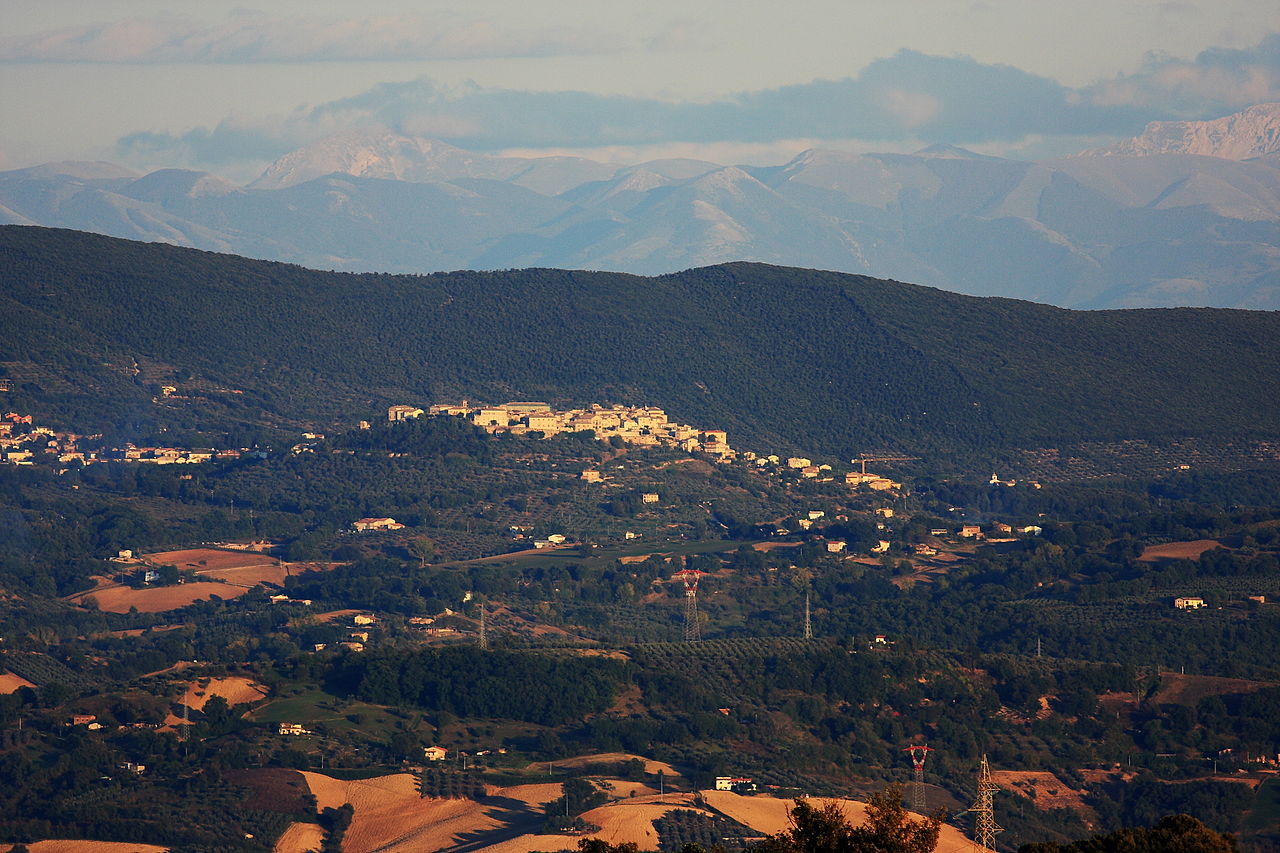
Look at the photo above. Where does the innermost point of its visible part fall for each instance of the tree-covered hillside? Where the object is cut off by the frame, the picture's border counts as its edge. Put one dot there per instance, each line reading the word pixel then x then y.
pixel 91 327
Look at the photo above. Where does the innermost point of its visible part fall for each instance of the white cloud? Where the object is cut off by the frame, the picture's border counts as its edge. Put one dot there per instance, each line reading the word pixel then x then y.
pixel 246 37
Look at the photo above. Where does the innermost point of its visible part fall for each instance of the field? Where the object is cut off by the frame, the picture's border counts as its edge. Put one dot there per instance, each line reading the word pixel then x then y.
pixel 243 568
pixel 1047 790
pixel 10 683
pixel 234 689
pixel 300 838
pixel 157 599
pixel 67 846
pixel 1178 550
pixel 391 817
pixel 1177 689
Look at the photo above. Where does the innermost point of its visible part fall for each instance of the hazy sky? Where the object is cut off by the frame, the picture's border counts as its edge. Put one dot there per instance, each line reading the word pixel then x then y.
pixel 228 85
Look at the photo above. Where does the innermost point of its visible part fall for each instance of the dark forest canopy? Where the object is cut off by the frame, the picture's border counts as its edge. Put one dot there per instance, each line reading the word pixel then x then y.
pixel 91 326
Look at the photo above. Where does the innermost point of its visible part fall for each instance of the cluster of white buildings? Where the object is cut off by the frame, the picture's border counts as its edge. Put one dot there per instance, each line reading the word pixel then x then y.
pixel 641 425
pixel 25 443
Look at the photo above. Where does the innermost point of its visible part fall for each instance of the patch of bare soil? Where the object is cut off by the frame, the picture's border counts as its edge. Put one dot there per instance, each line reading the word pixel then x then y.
pixel 1044 788
pixel 1179 689
pixel 1178 550
pixel 10 683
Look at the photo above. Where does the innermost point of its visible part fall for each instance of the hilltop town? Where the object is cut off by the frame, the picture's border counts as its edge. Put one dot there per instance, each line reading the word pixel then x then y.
pixel 638 425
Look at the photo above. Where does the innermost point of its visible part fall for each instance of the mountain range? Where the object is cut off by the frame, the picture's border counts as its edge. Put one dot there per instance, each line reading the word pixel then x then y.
pixel 1188 214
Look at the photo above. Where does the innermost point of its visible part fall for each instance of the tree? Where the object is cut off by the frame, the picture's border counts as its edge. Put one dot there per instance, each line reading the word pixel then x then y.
pixel 422 548
pixel 826 829
pixel 1178 833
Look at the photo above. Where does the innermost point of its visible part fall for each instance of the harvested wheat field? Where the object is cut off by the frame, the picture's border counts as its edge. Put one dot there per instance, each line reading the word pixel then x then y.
pixel 77 846
pixel 244 568
pixel 234 689
pixel 158 599
pixel 390 816
pixel 300 838
pixel 1178 550
pixel 10 683
pixel 1047 790
pixel 768 815
pixel 650 766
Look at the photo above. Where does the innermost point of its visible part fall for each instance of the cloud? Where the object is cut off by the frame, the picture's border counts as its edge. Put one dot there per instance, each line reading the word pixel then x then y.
pixel 910 96
pixel 248 37
pixel 1218 81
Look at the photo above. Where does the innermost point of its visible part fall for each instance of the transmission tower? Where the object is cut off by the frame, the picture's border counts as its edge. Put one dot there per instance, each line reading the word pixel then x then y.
pixel 919 799
pixel 484 636
pixel 692 631
pixel 808 623
pixel 985 827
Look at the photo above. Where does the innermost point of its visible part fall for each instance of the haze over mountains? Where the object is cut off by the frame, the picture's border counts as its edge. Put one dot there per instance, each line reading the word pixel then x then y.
pixel 1186 214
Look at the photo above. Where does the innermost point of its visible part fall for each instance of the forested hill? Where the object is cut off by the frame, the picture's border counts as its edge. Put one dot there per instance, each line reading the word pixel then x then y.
pixel 91 326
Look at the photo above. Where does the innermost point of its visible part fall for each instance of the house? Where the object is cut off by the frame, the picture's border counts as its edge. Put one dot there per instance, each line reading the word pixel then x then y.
pixel 1259 599
pixel 1188 603
pixel 925 550
pixel 591 476
pixel 435 753
pixel 403 413
pixel 804 523
pixel 884 512
pixel 1001 527
pixel 630 535
pixel 970 531
pixel 1030 530
pixel 362 636
pixel 730 783
pixel 366 524
pixel 490 418
pixel 363 619
pixel 294 729
pixel 798 462
pixel 809 472
pixel 133 767
pixel 353 646
pixel 557 538
pixel 836 546
pixel 543 544
pixel 880 547
pixel 82 719
pixel 649 498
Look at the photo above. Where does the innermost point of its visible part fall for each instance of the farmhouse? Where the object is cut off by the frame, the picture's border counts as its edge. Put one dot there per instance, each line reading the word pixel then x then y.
pixel 366 524
pixel 434 753
pixel 1188 603
pixel 403 413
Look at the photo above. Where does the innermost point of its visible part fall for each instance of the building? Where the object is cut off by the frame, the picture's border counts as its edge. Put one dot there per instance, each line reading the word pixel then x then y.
pixel 366 524
pixel 591 476
pixel 403 413
pixel 798 462
pixel 1188 603
pixel 730 783
pixel 970 531
pixel 294 729
pixel 881 547
pixel 837 546
pixel 649 498
pixel 435 753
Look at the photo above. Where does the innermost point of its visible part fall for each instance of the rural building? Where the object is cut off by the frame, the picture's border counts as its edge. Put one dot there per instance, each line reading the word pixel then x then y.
pixel 366 524
pixel 649 498
pixel 1260 599
pixel 591 476
pixel 728 783
pixel 880 547
pixel 434 753
pixel 403 413
pixel 363 619
pixel 836 546
pixel 810 472
pixel 970 531
pixel 1030 530
pixel 294 729
pixel 798 462
pixel 884 512
pixel 1188 603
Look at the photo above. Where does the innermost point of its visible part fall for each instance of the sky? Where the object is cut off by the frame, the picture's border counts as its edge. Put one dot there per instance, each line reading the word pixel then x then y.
pixel 230 85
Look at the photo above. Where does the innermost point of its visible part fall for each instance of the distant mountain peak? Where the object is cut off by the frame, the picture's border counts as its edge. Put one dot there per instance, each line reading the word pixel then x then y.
pixel 366 153
pixel 1253 132
pixel 943 151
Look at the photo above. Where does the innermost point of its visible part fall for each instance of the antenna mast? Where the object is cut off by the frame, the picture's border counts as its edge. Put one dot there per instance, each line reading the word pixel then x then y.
pixel 692 631
pixel 808 623
pixel 919 800
pixel 985 827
